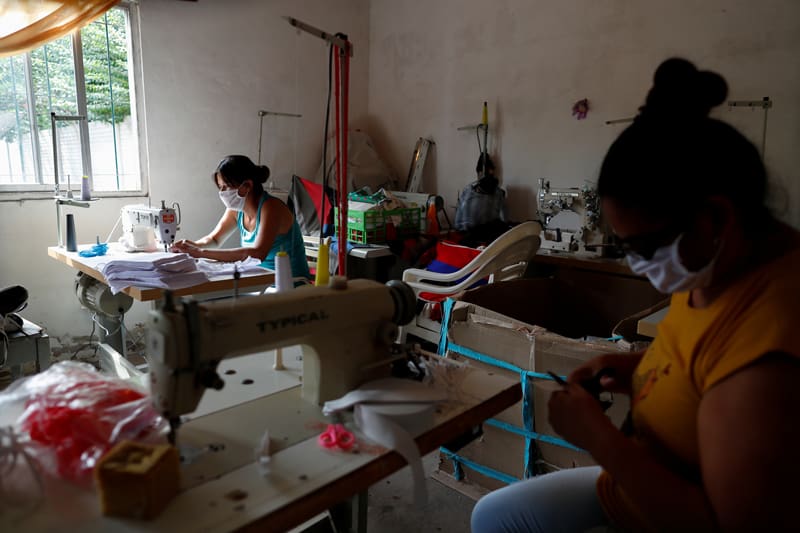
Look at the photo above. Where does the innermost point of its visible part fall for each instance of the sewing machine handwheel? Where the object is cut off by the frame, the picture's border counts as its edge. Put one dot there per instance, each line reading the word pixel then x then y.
pixel 404 301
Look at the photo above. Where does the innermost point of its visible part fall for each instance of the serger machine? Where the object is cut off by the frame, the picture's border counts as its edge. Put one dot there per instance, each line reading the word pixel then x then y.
pixel 146 228
pixel 570 218
pixel 345 330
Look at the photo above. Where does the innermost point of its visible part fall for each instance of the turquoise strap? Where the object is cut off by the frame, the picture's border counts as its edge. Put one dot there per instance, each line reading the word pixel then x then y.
pixel 445 346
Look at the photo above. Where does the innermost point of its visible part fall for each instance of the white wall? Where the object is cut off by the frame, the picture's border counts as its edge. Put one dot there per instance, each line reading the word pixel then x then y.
pixel 432 64
pixel 208 67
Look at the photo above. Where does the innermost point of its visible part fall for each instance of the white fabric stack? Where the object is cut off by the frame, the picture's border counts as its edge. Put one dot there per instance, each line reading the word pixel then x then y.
pixel 218 268
pixel 161 270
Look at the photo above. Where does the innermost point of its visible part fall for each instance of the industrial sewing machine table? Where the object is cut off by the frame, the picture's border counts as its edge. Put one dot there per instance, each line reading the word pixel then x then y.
pixel 144 294
pixel 112 346
pixel 226 491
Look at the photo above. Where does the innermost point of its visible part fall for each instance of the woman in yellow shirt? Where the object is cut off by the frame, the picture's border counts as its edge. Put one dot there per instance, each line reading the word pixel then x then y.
pixel 716 396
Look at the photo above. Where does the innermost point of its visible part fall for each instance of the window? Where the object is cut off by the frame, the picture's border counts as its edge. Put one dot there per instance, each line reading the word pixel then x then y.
pixel 90 74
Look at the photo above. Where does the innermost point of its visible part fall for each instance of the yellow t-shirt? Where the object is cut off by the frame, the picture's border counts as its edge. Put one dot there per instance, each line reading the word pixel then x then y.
pixel 694 350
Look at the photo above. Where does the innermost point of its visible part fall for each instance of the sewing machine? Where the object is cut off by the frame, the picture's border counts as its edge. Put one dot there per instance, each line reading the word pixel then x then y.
pixel 345 330
pixel 146 228
pixel 570 219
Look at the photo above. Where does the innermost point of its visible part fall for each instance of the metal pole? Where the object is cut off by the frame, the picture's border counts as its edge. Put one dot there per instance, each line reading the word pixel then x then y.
pixel 260 130
pixel 336 40
pixel 345 65
pixel 341 251
pixel 485 124
pixel 620 120
pixel 55 156
pixel 58 224
pixel 765 103
pixel 343 52
pixel 261 114
pixel 764 132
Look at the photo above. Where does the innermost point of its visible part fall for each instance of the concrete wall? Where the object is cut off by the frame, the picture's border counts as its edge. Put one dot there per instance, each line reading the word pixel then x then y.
pixel 432 64
pixel 208 67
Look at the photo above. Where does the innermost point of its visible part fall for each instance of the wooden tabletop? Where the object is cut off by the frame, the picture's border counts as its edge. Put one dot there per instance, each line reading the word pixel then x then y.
pixel 146 294
pixel 599 264
pixel 304 479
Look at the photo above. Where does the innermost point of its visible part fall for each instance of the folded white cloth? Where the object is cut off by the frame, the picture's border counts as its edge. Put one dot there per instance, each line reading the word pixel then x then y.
pixel 165 281
pixel 163 261
pixel 217 268
pixel 161 270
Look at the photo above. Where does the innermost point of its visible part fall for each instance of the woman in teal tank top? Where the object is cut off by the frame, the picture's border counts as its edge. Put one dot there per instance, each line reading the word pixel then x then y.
pixel 265 224
pixel 290 242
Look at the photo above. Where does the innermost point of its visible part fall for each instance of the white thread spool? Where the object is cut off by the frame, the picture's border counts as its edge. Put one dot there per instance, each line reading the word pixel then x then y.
pixel 283 282
pixel 283 272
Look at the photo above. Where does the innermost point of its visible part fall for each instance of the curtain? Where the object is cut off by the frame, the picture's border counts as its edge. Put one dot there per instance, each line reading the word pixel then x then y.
pixel 28 24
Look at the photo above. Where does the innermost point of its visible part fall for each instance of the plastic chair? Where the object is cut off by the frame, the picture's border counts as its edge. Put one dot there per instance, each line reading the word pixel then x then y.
pixel 504 259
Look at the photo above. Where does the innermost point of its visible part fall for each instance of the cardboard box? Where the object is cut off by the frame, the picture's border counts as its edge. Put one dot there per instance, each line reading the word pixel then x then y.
pixel 533 325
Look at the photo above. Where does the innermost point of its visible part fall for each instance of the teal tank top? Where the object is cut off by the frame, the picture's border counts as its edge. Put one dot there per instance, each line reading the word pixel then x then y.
pixel 290 242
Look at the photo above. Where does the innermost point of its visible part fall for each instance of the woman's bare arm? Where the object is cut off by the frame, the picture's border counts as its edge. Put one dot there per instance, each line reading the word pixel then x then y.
pixel 749 439
pixel 273 221
pixel 664 497
pixel 226 224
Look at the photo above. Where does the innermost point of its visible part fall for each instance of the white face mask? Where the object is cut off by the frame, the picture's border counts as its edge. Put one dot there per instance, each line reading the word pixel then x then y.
pixel 666 272
pixel 232 200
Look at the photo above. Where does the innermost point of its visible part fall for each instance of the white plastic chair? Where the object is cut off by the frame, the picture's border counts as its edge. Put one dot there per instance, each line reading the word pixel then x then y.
pixel 504 259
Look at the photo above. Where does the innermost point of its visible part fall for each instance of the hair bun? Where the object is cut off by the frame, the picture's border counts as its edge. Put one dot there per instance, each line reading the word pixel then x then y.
pixel 680 90
pixel 263 173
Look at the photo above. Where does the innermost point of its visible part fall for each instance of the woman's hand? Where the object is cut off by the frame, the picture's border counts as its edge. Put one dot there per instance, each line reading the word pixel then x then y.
pixel 619 369
pixel 578 417
pixel 187 246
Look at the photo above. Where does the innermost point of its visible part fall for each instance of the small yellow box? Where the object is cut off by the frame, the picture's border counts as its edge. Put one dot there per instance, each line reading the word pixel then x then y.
pixel 137 480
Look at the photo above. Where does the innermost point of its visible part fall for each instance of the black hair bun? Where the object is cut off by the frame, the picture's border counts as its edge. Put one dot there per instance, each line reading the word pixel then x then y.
pixel 680 90
pixel 263 173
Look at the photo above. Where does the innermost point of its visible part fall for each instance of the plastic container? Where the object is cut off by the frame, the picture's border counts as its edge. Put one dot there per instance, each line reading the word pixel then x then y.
pixel 378 225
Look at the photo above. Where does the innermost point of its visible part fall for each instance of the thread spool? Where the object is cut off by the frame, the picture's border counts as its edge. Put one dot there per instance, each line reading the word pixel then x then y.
pixel 86 193
pixel 283 282
pixel 323 263
pixel 283 272
pixel 72 245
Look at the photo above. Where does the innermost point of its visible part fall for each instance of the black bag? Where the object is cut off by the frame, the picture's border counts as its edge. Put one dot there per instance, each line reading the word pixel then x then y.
pixel 13 299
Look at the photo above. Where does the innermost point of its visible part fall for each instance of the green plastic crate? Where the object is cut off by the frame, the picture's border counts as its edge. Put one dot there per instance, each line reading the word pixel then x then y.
pixel 367 227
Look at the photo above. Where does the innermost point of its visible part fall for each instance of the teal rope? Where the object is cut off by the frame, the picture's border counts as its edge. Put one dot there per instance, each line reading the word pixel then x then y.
pixel 477 467
pixel 528 432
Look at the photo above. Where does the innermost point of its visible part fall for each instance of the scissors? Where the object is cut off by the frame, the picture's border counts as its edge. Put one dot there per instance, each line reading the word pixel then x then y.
pixel 336 435
pixel 592 386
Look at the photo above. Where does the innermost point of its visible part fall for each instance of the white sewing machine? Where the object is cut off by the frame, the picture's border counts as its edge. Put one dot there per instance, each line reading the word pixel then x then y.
pixel 570 219
pixel 345 331
pixel 146 229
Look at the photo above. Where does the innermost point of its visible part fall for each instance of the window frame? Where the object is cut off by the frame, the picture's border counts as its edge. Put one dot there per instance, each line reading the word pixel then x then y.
pixel 10 192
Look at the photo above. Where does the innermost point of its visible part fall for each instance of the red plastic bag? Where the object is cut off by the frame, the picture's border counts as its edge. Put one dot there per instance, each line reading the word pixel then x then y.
pixel 73 414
